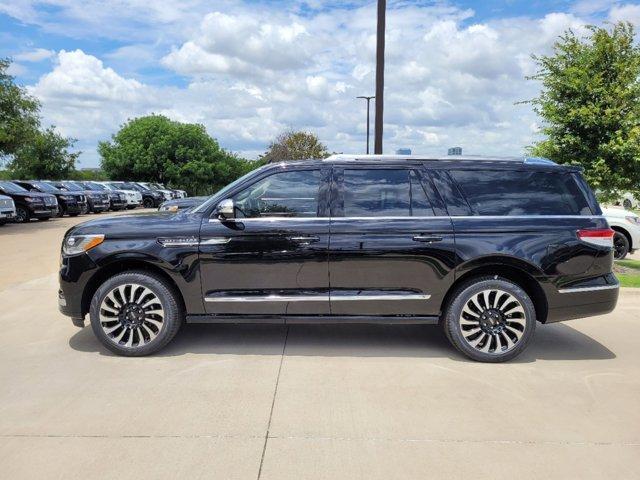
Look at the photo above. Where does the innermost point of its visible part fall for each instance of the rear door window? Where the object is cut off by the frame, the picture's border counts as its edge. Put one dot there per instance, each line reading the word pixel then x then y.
pixel 384 193
pixel 521 192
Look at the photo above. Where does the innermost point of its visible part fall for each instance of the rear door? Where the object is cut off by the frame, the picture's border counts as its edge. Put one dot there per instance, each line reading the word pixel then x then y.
pixel 392 247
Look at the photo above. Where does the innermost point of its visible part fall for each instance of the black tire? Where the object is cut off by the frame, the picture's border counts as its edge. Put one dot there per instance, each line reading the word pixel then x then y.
pixel 620 246
pixel 148 203
pixel 22 215
pixel 2 222
pixel 60 213
pixel 626 203
pixel 507 329
pixel 166 297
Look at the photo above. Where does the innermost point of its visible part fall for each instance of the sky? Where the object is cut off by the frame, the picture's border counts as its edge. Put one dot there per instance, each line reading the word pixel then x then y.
pixel 249 70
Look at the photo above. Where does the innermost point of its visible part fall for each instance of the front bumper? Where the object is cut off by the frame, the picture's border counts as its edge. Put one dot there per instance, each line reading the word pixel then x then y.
pixel 74 275
pixel 7 215
pixel 44 211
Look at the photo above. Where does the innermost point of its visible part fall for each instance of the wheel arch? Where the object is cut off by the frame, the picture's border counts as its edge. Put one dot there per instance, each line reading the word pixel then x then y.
pixel 124 265
pixel 626 234
pixel 519 272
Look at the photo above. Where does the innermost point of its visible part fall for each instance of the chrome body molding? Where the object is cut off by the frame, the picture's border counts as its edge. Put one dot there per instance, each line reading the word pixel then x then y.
pixel 314 298
pixel 215 241
pixel 191 241
pixel 588 289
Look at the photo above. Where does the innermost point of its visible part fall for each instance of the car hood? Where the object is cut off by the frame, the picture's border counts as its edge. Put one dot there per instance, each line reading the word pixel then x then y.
pixel 32 194
pixel 141 225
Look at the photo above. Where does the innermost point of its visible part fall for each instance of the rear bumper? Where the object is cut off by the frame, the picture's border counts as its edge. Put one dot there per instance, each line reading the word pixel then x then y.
pixel 584 301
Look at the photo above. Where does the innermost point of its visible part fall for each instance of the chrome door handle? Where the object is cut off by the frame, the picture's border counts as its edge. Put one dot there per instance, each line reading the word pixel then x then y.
pixel 309 239
pixel 427 238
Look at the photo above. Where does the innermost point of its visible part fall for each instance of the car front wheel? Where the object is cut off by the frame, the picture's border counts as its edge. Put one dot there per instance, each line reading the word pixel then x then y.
pixel 135 313
pixel 490 319
pixel 22 215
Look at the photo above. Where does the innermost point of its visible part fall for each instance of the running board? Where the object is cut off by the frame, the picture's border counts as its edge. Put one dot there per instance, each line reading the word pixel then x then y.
pixel 315 319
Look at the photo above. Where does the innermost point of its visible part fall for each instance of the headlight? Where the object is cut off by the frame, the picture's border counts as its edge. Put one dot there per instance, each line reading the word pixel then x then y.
pixel 30 199
pixel 75 244
pixel 68 197
pixel 634 220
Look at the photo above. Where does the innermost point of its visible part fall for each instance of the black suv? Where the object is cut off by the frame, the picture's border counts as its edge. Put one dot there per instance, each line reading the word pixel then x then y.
pixel 97 201
pixel 485 247
pixel 72 204
pixel 117 200
pixel 30 205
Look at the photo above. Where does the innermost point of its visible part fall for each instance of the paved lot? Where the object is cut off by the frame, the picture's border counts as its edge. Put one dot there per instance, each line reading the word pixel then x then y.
pixel 271 402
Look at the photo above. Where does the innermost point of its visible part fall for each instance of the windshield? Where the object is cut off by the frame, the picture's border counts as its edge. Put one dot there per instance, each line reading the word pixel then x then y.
pixel 220 194
pixel 97 186
pixel 72 186
pixel 11 187
pixel 91 186
pixel 45 187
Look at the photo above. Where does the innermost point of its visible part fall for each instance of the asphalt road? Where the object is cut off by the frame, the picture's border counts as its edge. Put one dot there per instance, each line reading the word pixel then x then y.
pixel 304 402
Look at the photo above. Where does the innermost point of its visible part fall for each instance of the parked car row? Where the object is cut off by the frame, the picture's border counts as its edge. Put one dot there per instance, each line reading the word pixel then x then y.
pixel 23 200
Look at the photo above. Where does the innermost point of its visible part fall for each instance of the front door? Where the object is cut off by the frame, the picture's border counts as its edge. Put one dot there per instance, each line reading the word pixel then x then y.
pixel 272 258
pixel 391 253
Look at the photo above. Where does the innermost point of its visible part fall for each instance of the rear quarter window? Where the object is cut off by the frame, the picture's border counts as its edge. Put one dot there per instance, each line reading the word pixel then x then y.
pixel 521 192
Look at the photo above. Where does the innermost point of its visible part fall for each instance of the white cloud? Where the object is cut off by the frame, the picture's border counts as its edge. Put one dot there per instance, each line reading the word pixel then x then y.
pixel 628 13
pixel 36 55
pixel 241 43
pixel 250 73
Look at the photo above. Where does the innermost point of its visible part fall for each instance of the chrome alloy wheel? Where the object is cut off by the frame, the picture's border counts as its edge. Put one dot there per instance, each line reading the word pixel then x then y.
pixel 131 315
pixel 493 321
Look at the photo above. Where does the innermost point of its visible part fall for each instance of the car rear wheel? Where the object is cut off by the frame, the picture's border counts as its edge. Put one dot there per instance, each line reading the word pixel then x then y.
pixel 490 319
pixel 620 246
pixel 22 215
pixel 135 313
pixel 148 203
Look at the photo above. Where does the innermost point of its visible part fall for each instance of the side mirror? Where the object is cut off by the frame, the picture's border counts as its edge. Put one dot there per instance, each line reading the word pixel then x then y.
pixel 226 209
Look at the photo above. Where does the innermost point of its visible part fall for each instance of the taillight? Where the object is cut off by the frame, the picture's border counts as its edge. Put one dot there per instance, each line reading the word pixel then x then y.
pixel 601 236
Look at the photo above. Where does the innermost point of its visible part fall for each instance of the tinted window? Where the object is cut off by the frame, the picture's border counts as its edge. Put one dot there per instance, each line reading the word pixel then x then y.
pixel 521 193
pixel 286 194
pixel 384 193
pixel 11 187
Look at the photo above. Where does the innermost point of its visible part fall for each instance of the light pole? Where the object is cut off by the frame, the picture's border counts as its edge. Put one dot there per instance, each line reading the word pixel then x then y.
pixel 382 9
pixel 368 99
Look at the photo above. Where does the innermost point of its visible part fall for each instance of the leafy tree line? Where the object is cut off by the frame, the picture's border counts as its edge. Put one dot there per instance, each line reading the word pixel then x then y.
pixel 590 107
pixel 28 150
pixel 183 155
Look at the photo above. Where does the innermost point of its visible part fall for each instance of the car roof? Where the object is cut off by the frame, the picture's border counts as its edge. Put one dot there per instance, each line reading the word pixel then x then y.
pixel 449 161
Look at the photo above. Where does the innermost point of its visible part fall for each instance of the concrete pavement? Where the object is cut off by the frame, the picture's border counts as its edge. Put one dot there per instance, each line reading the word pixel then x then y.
pixel 312 402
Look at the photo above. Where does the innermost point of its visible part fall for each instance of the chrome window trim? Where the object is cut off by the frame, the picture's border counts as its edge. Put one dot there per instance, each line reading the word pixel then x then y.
pixel 430 217
pixel 588 289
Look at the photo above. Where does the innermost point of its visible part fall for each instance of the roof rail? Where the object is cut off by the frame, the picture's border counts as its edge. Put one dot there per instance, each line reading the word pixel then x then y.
pixel 450 158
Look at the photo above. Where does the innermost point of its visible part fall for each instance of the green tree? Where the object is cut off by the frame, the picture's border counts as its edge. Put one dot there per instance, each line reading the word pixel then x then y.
pixel 155 148
pixel 293 145
pixel 590 106
pixel 45 156
pixel 19 111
